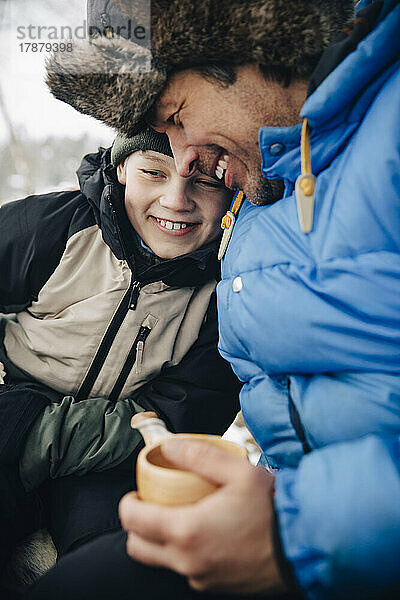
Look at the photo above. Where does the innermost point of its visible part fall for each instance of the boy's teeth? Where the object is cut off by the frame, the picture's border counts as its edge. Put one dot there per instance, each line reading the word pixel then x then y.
pixel 171 224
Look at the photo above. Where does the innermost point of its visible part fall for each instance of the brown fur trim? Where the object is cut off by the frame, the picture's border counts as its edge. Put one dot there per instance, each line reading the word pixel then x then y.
pixel 289 33
pixel 120 95
pixel 285 33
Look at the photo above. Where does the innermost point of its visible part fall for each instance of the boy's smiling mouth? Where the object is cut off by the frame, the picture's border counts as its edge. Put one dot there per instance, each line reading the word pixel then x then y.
pixel 174 227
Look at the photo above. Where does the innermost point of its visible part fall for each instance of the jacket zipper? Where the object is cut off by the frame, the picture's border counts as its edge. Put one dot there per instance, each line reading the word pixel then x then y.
pixel 135 285
pixel 135 291
pixel 135 352
pixel 129 302
pixel 297 424
pixel 104 348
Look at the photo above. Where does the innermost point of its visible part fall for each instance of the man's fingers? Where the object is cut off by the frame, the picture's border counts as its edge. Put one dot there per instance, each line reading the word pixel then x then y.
pixel 206 460
pixel 152 522
pixel 142 518
pixel 147 552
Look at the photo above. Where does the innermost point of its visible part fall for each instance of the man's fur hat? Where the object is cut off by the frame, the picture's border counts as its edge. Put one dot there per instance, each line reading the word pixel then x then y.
pixel 274 33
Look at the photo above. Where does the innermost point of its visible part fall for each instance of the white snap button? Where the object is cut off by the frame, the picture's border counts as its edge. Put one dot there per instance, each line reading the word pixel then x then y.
pixel 237 284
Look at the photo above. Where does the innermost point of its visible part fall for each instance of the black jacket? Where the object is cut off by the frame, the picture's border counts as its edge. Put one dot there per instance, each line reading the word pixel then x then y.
pixel 46 246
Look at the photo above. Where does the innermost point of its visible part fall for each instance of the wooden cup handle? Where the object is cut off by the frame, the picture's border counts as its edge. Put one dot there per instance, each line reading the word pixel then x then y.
pixel 142 416
pixel 151 427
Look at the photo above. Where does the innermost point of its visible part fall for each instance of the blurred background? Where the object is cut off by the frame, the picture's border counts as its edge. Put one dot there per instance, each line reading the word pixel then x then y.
pixel 42 140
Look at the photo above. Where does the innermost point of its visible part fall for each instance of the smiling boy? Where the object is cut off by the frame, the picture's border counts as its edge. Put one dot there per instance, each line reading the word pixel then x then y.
pixel 113 290
pixel 173 215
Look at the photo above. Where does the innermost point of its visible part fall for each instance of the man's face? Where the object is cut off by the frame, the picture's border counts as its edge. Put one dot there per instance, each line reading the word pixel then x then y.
pixel 215 128
pixel 173 215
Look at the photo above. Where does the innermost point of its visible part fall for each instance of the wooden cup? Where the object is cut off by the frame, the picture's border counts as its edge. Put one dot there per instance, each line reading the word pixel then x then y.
pixel 159 481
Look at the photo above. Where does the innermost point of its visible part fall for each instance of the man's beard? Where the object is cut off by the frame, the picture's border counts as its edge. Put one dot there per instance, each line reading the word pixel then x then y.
pixel 259 191
pixel 264 191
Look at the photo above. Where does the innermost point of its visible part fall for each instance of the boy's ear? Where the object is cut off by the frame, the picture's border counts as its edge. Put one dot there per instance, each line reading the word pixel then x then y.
pixel 121 172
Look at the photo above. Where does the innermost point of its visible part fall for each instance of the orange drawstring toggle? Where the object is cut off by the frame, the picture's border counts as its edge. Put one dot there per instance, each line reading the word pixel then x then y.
pixel 305 183
pixel 228 221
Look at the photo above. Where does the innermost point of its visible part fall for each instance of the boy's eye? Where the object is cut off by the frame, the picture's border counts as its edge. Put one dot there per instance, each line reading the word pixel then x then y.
pixel 153 173
pixel 209 183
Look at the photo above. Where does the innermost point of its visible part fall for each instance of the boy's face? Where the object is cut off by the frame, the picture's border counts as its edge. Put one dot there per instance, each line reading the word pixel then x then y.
pixel 173 215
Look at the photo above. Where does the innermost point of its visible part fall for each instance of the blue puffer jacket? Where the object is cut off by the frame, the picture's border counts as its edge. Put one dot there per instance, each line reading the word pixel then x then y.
pixel 313 327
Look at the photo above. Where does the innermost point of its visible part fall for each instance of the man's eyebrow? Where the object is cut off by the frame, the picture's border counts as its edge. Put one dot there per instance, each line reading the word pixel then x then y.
pixel 153 115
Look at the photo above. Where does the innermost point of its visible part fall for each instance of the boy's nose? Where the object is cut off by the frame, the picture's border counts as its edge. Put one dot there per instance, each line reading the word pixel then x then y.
pixel 177 199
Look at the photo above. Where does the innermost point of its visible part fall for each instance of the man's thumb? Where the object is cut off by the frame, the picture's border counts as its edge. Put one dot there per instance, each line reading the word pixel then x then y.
pixel 212 463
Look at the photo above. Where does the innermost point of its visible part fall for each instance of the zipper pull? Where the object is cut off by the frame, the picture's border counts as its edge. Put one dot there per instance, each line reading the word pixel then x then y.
pixel 227 225
pixel 135 291
pixel 305 183
pixel 228 222
pixel 141 339
pixel 304 191
pixel 139 357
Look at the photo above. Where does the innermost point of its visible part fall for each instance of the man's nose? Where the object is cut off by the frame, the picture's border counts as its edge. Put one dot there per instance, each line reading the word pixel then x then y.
pixel 186 157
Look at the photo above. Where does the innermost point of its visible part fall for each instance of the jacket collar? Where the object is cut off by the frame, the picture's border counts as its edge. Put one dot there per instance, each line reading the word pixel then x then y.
pixel 335 109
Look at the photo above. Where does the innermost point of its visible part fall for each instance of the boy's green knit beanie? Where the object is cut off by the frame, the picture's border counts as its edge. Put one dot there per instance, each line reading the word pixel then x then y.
pixel 146 140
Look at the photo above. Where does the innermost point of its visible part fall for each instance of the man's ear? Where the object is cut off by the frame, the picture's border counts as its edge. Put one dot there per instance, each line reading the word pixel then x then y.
pixel 121 172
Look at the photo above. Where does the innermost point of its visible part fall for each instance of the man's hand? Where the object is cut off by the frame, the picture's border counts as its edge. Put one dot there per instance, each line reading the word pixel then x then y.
pixel 222 543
